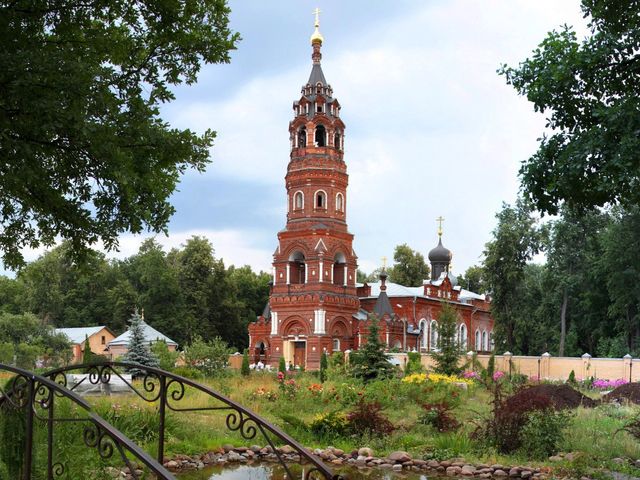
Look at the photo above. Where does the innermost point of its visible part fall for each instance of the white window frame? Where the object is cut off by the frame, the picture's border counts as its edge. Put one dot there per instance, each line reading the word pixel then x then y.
pixel 295 195
pixel 315 200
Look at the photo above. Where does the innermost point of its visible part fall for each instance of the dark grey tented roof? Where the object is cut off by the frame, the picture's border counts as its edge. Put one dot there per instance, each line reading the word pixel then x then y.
pixel 383 305
pixel 317 75
pixel 266 314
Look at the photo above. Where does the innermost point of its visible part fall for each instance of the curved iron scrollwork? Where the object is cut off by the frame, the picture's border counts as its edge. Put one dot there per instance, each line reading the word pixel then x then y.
pixel 168 389
pixel 35 395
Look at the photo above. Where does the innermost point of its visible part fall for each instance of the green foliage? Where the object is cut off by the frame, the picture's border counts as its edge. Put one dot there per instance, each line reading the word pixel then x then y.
pixel 7 351
pixel 370 361
pixel 473 279
pixel 448 356
pixel 282 366
pixel 210 358
pixel 410 268
pixel 166 358
pixel 491 366
pixel 12 435
pixel 414 363
pixel 138 347
pixel 99 160
pixel 323 367
pixel 572 378
pixel 543 433
pixel 330 424
pixel 245 371
pixel 588 91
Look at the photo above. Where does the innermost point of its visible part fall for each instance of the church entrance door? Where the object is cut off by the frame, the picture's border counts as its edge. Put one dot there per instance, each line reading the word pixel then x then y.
pixel 299 349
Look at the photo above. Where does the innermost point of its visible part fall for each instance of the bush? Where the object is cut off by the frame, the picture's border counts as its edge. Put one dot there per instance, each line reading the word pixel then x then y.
pixel 166 357
pixel 211 357
pixel 331 424
pixel 282 366
pixel 367 419
pixel 438 415
pixel 323 367
pixel 448 355
pixel 543 432
pixel 189 372
pixel 572 378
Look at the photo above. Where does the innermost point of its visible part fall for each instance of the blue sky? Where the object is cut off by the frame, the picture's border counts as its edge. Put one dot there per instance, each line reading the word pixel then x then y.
pixel 431 128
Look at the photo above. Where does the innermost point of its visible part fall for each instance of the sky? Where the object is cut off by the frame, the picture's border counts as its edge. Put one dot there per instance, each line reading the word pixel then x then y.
pixel 431 128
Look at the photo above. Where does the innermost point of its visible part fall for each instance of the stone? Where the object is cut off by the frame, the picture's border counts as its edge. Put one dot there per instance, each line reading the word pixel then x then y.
pixel 286 449
pixel 397 468
pixel 496 466
pixel 468 470
pixel 453 471
pixel 526 473
pixel 255 448
pixel 337 452
pixel 171 465
pixel 500 473
pixel 445 464
pixel 361 460
pixel 484 475
pixel 399 456
pixel 241 449
pixel 337 461
pixel 365 451
pixel 618 460
pixel 419 462
pixel 386 465
pixel 514 472
pixel 433 464
pixel 555 458
pixel 457 463
pixel 227 447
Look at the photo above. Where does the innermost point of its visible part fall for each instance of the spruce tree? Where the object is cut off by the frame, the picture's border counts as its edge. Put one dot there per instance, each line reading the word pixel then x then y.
pixel 448 357
pixel 323 367
pixel 244 369
pixel 138 350
pixel 282 366
pixel 370 362
pixel 88 357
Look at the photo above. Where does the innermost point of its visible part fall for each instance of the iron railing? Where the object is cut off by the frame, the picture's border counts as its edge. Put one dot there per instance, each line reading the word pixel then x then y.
pixel 167 390
pixel 36 395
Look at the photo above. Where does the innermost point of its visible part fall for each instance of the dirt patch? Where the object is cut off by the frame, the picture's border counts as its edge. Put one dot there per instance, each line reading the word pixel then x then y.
pixel 629 391
pixel 560 396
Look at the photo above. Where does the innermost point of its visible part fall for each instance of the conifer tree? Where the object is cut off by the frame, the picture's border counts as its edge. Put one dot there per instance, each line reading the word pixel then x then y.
pixel 449 355
pixel 87 354
pixel 244 369
pixel 138 350
pixel 370 362
pixel 282 366
pixel 323 367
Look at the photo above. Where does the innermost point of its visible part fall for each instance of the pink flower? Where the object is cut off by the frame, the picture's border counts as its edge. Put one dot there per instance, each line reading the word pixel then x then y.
pixel 280 376
pixel 471 375
pixel 498 375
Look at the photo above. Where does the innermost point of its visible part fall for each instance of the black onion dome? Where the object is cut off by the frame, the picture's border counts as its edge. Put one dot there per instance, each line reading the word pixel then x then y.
pixel 440 253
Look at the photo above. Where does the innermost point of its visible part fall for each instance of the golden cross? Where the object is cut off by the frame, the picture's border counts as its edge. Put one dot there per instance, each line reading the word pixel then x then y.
pixel 440 219
pixel 317 12
pixel 384 263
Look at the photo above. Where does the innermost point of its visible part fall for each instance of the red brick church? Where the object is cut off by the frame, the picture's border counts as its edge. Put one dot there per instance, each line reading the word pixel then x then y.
pixel 315 303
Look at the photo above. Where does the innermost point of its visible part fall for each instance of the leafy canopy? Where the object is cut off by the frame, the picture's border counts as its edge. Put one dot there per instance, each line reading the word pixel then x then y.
pixel 590 91
pixel 85 154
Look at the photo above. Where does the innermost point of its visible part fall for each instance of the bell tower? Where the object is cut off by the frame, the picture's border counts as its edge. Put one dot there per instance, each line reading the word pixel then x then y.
pixel 314 295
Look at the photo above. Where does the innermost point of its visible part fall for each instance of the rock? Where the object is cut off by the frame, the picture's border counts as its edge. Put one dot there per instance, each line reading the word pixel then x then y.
pixel 514 472
pixel 337 461
pixel 468 470
pixel 440 469
pixel 399 456
pixel 618 460
pixel 286 449
pixel 365 451
pixel 241 449
pixel 386 465
pixel 453 471
pixel 255 448
pixel 171 465
pixel 445 464
pixel 361 460
pixel 227 447
pixel 526 473
pixel 433 464
pixel 484 475
pixel 397 468
pixel 457 463
pixel 419 462
pixel 555 458
pixel 338 453
pixel 500 473
pixel 496 466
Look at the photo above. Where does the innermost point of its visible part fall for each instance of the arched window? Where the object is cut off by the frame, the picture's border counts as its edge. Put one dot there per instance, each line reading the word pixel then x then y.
pixel 424 333
pixel 321 136
pixel 336 344
pixel 336 140
pixel 321 199
pixel 462 336
pixel 492 342
pixel 339 202
pixel 298 201
pixel 478 341
pixel 485 341
pixel 433 335
pixel 302 137
pixel 297 273
pixel 339 262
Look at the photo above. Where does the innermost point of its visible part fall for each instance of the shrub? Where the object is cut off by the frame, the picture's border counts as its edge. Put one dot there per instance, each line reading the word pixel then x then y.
pixel 244 369
pixel 367 419
pixel 288 388
pixel 209 357
pixel 543 432
pixel 188 372
pixel 282 366
pixel 448 356
pixel 166 357
pixel 438 415
pixel 414 363
pixel 572 378
pixel 370 362
pixel 329 424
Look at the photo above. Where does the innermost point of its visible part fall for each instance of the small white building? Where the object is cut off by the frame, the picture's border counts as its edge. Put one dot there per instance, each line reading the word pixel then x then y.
pixel 120 345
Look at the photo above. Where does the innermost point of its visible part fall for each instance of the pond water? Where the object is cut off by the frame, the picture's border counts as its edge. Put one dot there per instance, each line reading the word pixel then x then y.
pixel 261 471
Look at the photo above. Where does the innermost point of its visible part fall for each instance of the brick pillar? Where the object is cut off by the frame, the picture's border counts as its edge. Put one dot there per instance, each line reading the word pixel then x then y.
pixel 627 367
pixel 545 366
pixel 506 362
pixel 586 366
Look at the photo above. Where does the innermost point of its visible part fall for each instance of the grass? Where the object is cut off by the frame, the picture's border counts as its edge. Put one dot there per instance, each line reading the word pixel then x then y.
pixel 594 432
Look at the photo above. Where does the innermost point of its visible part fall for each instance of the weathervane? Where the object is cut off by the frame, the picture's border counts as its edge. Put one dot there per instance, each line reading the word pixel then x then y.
pixel 440 219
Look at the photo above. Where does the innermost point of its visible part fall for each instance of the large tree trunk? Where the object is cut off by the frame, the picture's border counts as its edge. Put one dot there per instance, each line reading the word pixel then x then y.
pixel 563 321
